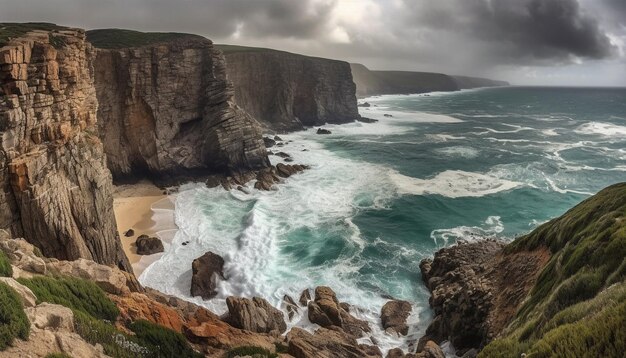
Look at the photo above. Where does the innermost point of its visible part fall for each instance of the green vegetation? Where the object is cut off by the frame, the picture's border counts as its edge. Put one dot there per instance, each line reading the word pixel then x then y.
pixel 13 320
pixel 163 342
pixel 235 48
pixel 250 351
pixel 57 355
pixel 578 304
pixel 77 294
pixel 5 265
pixel 11 30
pixel 119 38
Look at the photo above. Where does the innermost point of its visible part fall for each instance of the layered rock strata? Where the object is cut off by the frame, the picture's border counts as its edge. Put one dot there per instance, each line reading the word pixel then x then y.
pixel 287 91
pixel 55 186
pixel 166 112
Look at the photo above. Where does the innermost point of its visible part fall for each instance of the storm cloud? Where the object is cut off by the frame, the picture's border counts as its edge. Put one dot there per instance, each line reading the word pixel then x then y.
pixel 525 41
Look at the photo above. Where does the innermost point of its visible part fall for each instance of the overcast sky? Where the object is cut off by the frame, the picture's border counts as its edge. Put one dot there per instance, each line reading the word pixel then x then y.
pixel 564 42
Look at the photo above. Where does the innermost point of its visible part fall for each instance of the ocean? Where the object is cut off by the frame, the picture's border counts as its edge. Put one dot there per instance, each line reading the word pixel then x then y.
pixel 380 197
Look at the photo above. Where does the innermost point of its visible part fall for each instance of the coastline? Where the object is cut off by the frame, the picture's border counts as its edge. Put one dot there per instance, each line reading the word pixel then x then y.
pixel 135 207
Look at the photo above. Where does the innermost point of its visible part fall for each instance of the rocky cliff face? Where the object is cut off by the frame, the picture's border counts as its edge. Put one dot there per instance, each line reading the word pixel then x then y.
pixel 55 187
pixel 286 91
pixel 370 82
pixel 166 110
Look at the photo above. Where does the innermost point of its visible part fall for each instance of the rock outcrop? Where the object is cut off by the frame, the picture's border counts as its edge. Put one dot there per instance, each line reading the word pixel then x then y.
pixel 476 290
pixel 369 82
pixel 147 245
pixel 206 270
pixel 324 343
pixel 326 311
pixel 393 316
pixel 255 315
pixel 55 188
pixel 166 111
pixel 287 91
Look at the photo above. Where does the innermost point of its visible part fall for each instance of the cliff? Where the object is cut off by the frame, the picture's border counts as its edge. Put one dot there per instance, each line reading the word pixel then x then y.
pixel 287 91
pixel 166 108
pixel 558 291
pixel 370 82
pixel 55 186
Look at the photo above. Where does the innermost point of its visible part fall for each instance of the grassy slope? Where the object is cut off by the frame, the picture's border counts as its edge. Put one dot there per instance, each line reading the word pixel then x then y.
pixel 578 304
pixel 11 30
pixel 119 38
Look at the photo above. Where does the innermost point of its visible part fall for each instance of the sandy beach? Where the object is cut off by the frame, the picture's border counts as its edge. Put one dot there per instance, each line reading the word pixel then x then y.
pixel 145 209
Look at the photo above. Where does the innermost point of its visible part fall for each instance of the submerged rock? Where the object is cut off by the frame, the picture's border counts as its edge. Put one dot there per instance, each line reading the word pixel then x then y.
pixel 255 315
pixel 364 104
pixel 323 131
pixel 269 142
pixel 393 316
pixel 147 245
pixel 206 270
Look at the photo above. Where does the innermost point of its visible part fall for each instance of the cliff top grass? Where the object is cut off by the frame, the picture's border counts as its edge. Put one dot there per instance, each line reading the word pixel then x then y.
pixel 235 48
pixel 120 38
pixel 578 304
pixel 11 30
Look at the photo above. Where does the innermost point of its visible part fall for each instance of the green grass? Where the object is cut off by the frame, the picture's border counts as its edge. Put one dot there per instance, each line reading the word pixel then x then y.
pixel 5 265
pixel 119 38
pixel 11 30
pixel 77 294
pixel 13 320
pixel 162 341
pixel 250 351
pixel 577 307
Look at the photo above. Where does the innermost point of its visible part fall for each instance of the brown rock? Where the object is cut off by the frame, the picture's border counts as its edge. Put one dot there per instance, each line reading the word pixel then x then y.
pixel 27 296
pixel 255 315
pixel 394 314
pixel 136 306
pixel 148 245
pixel 291 306
pixel 325 343
pixel 206 270
pixel 326 311
pixel 305 297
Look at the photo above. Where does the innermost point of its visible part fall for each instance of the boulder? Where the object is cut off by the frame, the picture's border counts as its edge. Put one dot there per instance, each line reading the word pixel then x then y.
pixel 22 254
pixel 364 104
pixel 206 270
pixel 305 297
pixel 367 120
pixel 147 245
pixel 129 233
pixel 27 296
pixel 324 343
pixel 393 316
pixel 255 315
pixel 323 131
pixel 326 311
pixel 51 316
pixel 282 155
pixel 277 138
pixel 111 280
pixel 291 306
pixel 269 142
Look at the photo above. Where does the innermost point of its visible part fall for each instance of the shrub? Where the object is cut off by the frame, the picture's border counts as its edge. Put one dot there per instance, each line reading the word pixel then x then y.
pixel 5 265
pixel 13 320
pixel 77 294
pixel 250 351
pixel 163 342
pixel 580 287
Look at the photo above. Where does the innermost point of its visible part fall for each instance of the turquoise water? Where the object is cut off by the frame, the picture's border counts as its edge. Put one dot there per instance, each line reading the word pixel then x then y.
pixel 380 197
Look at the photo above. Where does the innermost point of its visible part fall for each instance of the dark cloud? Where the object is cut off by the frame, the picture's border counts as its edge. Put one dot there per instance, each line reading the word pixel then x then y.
pixel 524 29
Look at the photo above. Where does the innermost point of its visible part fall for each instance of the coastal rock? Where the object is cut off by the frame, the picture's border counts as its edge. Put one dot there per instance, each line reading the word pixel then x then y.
pixel 393 316
pixel 26 295
pixel 324 343
pixel 51 316
pixel 476 289
pixel 269 142
pixel 55 188
pixel 166 111
pixel 326 311
pixel 129 233
pixel 138 306
pixel 364 104
pixel 206 270
pixel 148 245
pixel 305 297
pixel 110 279
pixel 266 178
pixel 290 306
pixel 22 254
pixel 287 91
pixel 323 131
pixel 255 315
